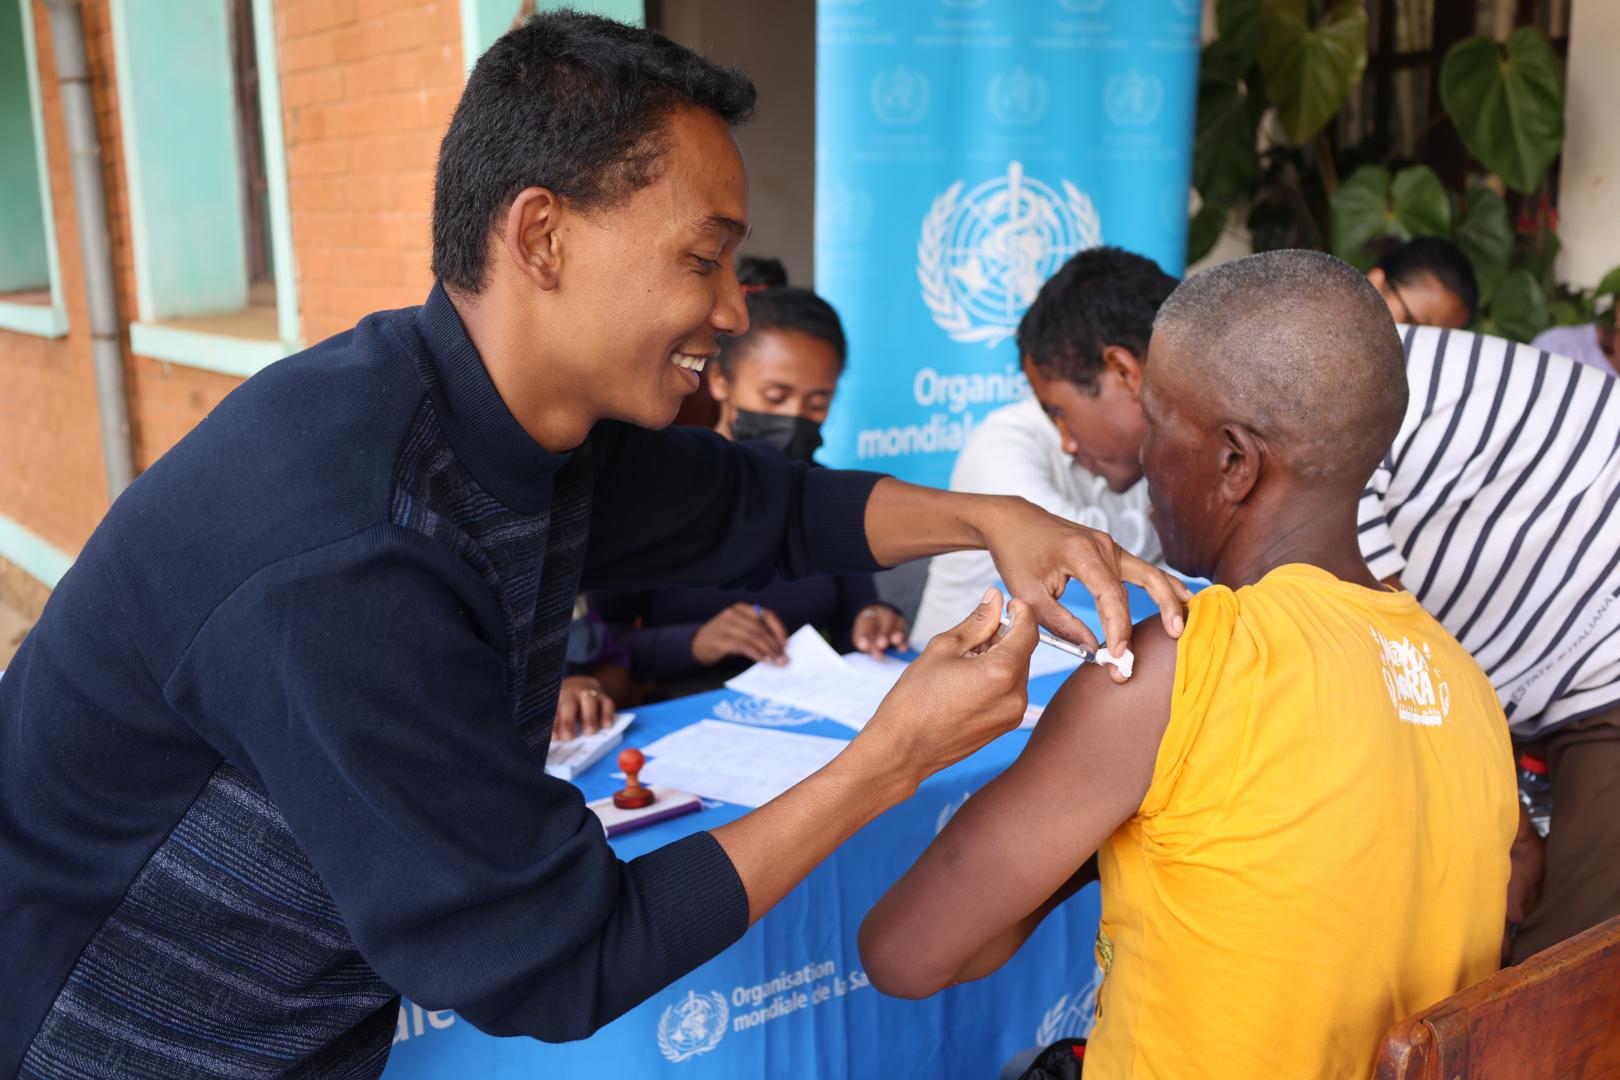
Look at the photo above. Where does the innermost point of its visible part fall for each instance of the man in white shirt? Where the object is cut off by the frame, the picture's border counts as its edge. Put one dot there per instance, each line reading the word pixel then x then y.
pixel 1593 344
pixel 1071 448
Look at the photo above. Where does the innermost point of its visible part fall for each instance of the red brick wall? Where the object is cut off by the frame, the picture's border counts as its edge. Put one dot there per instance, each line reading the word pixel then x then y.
pixel 367 88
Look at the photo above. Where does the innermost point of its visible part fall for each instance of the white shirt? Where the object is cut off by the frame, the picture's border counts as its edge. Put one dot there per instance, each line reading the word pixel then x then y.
pixel 1577 343
pixel 1016 450
pixel 1496 505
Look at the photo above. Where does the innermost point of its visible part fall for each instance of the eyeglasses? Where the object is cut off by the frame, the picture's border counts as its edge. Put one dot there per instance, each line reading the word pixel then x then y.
pixel 1405 309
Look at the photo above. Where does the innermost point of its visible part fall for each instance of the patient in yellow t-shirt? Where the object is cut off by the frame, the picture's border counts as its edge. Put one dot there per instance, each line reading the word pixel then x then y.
pixel 1302 808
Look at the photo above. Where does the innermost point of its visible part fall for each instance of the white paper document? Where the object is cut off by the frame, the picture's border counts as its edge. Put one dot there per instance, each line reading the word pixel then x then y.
pixel 818 680
pixel 734 763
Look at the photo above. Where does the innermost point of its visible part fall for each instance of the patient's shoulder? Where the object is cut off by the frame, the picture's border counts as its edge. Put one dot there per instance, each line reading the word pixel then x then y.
pixel 1091 706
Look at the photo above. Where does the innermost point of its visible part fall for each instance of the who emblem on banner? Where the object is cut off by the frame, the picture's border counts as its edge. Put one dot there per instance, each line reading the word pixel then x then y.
pixel 983 256
pixel 693 1026
pixel 1132 99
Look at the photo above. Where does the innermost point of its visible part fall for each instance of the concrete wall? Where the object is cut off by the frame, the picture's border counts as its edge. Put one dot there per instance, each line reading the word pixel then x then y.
pixel 775 43
pixel 1589 185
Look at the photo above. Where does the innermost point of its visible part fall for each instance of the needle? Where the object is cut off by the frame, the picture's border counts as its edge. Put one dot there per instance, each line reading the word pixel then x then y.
pixel 1049 638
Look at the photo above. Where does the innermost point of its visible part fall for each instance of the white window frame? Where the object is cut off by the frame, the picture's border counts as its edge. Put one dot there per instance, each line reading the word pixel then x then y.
pixel 44 320
pixel 164 340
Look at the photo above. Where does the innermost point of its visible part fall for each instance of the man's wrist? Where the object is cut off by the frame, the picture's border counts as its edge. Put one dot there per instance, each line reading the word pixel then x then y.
pixel 985 512
pixel 876 767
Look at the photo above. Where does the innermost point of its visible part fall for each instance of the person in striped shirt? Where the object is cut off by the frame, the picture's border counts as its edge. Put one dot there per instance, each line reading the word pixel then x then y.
pixel 1496 507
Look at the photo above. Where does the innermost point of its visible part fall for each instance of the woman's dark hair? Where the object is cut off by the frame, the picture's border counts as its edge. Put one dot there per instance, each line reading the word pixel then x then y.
pixel 761 272
pixel 1102 296
pixel 1441 258
pixel 575 103
pixel 785 308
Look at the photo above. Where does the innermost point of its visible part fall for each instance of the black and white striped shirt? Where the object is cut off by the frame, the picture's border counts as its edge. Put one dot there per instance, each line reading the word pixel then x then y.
pixel 1496 506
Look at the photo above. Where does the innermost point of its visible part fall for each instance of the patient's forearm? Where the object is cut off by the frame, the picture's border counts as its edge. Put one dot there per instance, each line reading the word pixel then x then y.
pixel 1001 948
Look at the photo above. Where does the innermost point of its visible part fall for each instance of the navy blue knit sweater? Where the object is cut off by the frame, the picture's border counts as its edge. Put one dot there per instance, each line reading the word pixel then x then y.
pixel 273 754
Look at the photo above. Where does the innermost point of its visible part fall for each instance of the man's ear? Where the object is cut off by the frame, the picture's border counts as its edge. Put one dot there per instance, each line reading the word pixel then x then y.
pixel 1243 455
pixel 1124 364
pixel 533 236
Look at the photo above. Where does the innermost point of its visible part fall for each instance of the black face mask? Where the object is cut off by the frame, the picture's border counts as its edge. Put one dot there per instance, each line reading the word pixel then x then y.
pixel 795 436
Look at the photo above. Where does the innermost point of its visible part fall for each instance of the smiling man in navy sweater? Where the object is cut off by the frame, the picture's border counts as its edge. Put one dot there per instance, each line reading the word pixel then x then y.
pixel 273 755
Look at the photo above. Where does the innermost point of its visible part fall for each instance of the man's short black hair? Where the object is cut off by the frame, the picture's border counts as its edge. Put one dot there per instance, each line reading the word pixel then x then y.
pixel 785 308
pixel 1432 255
pixel 570 102
pixel 761 272
pixel 1102 296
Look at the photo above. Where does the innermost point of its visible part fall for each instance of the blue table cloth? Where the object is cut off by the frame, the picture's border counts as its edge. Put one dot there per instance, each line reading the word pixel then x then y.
pixel 790 999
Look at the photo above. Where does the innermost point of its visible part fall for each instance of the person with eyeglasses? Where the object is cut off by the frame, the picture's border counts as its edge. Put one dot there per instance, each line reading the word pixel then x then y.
pixel 1427 282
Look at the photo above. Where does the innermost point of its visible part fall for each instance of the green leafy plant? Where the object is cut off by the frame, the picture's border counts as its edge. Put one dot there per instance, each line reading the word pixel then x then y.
pixel 1311 65
pixel 1285 68
pixel 1507 102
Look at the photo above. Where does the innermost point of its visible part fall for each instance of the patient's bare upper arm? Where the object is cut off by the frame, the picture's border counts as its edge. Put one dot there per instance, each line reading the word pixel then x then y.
pixel 1086 769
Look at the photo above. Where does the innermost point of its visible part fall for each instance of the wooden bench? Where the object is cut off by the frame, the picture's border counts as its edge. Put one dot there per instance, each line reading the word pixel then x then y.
pixel 1556 1015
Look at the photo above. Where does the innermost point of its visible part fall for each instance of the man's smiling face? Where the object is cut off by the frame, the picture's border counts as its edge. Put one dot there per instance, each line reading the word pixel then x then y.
pixel 648 284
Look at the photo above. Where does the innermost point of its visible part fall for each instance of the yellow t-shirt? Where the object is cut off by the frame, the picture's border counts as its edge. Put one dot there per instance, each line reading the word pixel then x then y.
pixel 1323 849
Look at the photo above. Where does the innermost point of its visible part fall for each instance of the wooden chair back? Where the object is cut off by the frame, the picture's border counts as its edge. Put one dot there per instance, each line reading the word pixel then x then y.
pixel 1556 1015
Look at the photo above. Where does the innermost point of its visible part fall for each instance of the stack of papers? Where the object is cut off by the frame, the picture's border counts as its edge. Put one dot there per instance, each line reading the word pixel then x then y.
pixel 818 680
pixel 734 763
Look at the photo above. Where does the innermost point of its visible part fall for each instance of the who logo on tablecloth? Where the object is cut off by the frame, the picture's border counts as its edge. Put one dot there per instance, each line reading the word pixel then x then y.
pixel 762 712
pixel 984 255
pixel 1072 1016
pixel 693 1026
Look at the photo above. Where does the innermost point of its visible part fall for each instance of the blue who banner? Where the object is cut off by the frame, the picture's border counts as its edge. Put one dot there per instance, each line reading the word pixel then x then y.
pixel 964 150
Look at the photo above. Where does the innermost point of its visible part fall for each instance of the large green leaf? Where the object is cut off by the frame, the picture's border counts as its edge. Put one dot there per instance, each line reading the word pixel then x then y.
pixel 1520 310
pixel 1238 24
pixel 1370 205
pixel 1224 157
pixel 1204 230
pixel 1507 103
pixel 1486 236
pixel 1610 285
pixel 1311 69
pixel 1420 204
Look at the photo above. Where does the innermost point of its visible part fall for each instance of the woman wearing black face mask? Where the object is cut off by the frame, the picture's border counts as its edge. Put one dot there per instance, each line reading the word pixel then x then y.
pixel 773 385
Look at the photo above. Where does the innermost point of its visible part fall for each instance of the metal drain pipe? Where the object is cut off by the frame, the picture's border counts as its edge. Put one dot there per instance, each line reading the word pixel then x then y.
pixel 95 240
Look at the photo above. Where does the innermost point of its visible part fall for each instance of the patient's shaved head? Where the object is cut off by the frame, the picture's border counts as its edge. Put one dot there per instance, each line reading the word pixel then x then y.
pixel 1296 345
